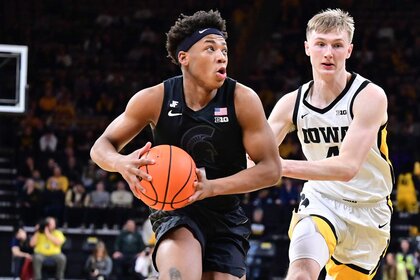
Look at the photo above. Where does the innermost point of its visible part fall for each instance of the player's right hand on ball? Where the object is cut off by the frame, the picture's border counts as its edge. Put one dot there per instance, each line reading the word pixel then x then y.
pixel 128 167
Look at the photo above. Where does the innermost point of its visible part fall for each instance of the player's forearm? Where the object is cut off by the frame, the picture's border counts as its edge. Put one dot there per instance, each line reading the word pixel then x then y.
pixel 104 154
pixel 260 176
pixel 331 169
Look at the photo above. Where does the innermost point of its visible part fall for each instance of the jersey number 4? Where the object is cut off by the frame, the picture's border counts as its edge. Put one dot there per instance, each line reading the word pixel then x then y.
pixel 332 151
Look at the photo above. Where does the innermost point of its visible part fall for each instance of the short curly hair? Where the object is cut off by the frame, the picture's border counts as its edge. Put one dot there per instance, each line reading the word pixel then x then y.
pixel 186 25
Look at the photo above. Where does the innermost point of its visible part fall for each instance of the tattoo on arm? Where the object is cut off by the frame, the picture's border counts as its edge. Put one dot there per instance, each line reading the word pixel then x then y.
pixel 174 274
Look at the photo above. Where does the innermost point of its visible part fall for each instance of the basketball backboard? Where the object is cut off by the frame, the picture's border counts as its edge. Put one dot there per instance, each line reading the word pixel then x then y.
pixel 13 75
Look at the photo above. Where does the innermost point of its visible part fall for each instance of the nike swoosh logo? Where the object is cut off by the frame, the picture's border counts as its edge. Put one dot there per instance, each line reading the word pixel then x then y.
pixel 170 114
pixel 304 115
pixel 202 31
pixel 381 226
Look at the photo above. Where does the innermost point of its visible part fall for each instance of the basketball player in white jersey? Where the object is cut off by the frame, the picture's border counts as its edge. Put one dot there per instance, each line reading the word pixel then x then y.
pixel 343 220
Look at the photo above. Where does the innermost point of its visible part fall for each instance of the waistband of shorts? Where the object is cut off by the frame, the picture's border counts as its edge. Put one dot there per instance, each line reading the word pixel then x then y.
pixel 355 203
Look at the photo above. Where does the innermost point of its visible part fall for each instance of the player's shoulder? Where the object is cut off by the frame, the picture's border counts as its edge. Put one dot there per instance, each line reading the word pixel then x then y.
pixel 245 95
pixel 147 102
pixel 372 91
pixel 243 89
pixel 149 93
pixel 159 88
pixel 288 99
pixel 370 94
pixel 291 96
pixel 375 89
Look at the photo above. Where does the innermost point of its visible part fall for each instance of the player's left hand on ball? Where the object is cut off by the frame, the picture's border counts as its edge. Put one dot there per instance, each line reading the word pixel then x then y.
pixel 202 187
pixel 128 166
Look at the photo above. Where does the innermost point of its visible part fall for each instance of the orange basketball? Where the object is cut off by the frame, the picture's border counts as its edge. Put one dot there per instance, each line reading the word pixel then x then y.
pixel 173 176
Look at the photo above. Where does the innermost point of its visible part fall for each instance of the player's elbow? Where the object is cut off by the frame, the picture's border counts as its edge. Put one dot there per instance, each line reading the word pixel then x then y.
pixel 92 152
pixel 349 172
pixel 273 172
pixel 95 150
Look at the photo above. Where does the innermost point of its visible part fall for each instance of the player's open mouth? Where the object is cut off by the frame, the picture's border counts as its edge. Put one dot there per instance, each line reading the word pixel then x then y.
pixel 221 72
pixel 327 66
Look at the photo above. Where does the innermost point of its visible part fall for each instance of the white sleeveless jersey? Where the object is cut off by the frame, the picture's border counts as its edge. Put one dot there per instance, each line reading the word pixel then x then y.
pixel 321 132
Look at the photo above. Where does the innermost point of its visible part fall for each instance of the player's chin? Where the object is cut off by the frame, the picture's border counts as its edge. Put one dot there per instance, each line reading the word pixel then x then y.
pixel 327 74
pixel 213 85
pixel 218 82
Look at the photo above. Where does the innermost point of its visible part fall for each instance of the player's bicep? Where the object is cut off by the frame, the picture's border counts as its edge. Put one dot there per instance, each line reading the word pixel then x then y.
pixel 142 110
pixel 259 143
pixel 280 119
pixel 258 138
pixel 122 130
pixel 365 126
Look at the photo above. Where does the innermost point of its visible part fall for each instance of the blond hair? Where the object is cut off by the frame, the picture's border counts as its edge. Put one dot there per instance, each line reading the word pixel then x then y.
pixel 331 20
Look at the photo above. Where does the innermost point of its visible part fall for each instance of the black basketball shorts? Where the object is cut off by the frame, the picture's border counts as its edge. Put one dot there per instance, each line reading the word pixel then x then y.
pixel 223 235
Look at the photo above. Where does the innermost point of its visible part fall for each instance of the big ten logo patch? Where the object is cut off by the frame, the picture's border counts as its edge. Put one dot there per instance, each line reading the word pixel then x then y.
pixel 221 119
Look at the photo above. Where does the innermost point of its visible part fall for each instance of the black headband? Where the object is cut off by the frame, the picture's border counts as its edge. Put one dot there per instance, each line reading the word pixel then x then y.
pixel 187 43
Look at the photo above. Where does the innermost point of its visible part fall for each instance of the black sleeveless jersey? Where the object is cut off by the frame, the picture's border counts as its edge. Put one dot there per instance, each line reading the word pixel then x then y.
pixel 211 135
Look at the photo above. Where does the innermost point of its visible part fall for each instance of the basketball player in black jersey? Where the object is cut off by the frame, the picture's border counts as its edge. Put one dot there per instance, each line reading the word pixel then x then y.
pixel 217 121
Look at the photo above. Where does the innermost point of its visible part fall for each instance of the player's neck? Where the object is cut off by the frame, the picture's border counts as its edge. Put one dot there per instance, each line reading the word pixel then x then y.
pixel 326 88
pixel 196 96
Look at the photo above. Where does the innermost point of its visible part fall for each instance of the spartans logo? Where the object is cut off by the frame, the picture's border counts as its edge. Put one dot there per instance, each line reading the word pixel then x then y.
pixel 198 143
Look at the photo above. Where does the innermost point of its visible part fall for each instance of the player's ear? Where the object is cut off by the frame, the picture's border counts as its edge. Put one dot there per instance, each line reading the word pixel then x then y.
pixel 349 51
pixel 183 58
pixel 306 45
